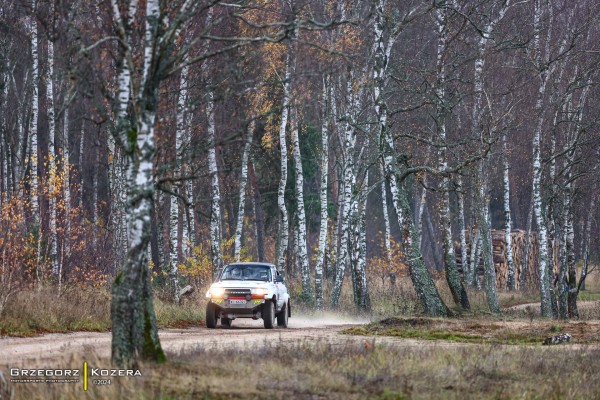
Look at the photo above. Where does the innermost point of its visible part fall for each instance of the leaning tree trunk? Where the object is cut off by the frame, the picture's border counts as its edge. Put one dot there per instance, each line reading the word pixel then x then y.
pixel 427 292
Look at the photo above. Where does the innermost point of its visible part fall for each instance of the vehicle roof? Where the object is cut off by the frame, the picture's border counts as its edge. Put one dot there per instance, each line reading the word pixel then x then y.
pixel 252 263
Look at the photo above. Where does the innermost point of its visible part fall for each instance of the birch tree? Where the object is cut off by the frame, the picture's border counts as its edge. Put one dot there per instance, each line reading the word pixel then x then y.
pixel 302 254
pixel 283 213
pixel 459 294
pixel 242 192
pixel 324 205
pixel 507 218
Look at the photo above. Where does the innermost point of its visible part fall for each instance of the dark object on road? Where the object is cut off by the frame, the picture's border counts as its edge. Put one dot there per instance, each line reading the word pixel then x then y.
pixel 564 338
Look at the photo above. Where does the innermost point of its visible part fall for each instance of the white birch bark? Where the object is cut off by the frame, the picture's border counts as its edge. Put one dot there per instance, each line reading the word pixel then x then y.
pixel 283 213
pixel 507 218
pixel 382 52
pixel 215 209
pixel 242 192
pixel 302 254
pixel 33 129
pixel 546 308
pixel 364 300
pixel 349 177
pixel 387 234
pixel 176 242
pixel 462 228
pixel 322 246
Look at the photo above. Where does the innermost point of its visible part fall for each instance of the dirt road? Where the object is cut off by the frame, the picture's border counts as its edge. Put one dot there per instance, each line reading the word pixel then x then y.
pixel 243 334
pixel 43 350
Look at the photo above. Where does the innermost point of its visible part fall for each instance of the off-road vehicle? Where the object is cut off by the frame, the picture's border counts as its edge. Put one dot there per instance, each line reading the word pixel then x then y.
pixel 248 290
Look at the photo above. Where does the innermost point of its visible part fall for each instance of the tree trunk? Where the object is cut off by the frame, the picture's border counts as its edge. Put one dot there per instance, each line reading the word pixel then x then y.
pixel 489 270
pixel 322 246
pixel 507 218
pixel 462 228
pixel 344 254
pixel 302 254
pixel 134 329
pixel 283 213
pixel 421 278
pixel 525 267
pixel 242 193
pixel 259 219
pixel 215 209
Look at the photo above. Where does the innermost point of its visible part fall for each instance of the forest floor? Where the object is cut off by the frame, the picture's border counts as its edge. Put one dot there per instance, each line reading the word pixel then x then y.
pixel 323 358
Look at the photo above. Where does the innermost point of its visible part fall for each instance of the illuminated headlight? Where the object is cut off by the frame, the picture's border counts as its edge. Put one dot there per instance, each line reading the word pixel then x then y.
pixel 259 291
pixel 216 291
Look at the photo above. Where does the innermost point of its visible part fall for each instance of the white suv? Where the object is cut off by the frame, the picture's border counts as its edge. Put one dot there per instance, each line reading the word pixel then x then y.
pixel 248 290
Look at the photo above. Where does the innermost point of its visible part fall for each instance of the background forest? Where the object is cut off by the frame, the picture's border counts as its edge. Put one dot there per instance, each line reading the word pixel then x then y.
pixel 358 140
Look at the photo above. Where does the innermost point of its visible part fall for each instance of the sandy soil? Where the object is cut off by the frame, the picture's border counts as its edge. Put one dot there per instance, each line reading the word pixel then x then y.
pixel 46 350
pixel 43 350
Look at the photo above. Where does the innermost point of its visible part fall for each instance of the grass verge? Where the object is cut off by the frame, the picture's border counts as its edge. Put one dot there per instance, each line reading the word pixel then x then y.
pixel 33 312
pixel 480 331
pixel 349 370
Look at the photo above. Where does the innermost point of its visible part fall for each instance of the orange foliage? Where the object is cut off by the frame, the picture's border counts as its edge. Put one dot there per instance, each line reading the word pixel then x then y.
pixel 382 267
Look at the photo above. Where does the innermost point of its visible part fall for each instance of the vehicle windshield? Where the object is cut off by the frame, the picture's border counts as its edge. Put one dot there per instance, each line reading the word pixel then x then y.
pixel 241 272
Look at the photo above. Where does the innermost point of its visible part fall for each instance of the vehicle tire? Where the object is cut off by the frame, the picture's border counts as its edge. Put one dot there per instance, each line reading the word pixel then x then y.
pixel 268 314
pixel 282 317
pixel 226 322
pixel 211 316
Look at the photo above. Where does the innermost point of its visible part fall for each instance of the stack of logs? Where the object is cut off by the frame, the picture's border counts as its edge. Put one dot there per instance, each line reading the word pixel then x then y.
pixel 518 238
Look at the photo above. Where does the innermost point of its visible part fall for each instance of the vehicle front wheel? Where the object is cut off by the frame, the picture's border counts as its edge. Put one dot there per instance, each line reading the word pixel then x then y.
pixel 268 314
pixel 211 316
pixel 282 317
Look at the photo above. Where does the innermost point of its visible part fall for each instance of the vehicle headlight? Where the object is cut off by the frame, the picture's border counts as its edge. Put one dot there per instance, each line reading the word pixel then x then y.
pixel 259 291
pixel 217 291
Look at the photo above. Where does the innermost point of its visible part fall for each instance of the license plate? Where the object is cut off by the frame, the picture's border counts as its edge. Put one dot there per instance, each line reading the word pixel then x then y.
pixel 240 302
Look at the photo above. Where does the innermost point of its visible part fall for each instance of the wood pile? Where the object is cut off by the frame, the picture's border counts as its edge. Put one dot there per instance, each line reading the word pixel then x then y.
pixel 518 238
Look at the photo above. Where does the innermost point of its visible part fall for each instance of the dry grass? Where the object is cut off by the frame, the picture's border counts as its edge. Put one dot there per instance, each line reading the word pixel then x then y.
pixel 356 370
pixel 481 330
pixel 33 312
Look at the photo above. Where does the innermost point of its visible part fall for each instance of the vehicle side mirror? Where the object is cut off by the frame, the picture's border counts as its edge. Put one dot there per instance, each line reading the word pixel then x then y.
pixel 278 279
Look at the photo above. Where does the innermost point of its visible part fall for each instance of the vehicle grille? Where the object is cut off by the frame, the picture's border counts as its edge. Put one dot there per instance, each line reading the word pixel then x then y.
pixel 237 292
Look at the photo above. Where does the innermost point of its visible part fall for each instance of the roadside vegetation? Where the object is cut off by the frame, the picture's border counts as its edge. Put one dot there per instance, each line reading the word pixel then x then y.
pixel 359 369
pixel 396 306
pixel 79 308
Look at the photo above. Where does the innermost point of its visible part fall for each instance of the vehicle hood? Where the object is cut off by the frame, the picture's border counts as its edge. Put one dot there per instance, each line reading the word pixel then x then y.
pixel 240 284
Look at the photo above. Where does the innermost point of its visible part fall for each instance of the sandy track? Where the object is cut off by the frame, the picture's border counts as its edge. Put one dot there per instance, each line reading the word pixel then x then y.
pixel 43 350
pixel 244 333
